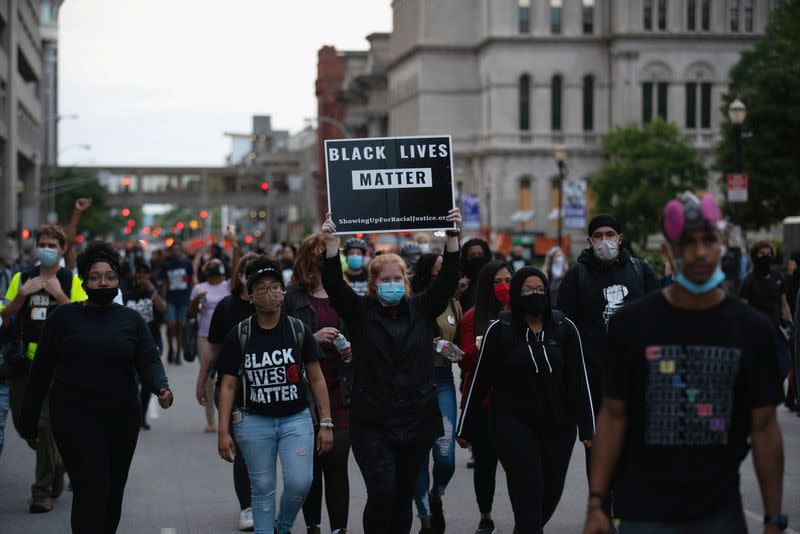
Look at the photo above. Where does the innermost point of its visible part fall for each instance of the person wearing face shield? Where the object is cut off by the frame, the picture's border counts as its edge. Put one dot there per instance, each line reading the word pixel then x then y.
pixel 532 361
pixel 32 296
pixel 394 409
pixel 555 267
pixel 692 386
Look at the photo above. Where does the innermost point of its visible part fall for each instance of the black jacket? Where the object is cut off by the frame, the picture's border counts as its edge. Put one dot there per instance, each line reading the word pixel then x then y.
pixel 592 292
pixel 297 304
pixel 540 381
pixel 393 384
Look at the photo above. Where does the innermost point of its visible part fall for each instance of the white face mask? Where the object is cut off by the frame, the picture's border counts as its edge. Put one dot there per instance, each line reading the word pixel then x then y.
pixel 557 268
pixel 425 247
pixel 606 250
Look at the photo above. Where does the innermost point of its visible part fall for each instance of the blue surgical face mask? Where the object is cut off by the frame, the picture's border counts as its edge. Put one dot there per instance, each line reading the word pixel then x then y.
pixel 390 293
pixel 47 256
pixel 355 261
pixel 699 289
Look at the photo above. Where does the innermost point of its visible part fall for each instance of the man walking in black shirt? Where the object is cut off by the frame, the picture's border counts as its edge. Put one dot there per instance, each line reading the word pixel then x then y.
pixel 689 384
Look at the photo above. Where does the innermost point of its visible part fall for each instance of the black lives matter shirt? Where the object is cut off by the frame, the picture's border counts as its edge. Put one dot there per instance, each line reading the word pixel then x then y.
pixel 358 282
pixel 690 380
pixel 273 368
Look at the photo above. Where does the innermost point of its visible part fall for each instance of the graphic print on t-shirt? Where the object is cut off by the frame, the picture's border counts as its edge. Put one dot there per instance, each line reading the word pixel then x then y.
pixel 615 300
pixel 178 279
pixel 144 307
pixel 273 377
pixel 39 303
pixel 689 394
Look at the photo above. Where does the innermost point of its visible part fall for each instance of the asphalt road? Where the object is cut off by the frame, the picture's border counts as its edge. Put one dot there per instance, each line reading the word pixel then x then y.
pixel 179 485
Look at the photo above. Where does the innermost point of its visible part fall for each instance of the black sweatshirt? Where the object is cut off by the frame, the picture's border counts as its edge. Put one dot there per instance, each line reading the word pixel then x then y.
pixel 393 384
pixel 94 350
pixel 540 380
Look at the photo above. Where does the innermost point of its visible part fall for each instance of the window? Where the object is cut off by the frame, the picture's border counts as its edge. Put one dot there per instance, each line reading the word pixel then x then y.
pixel 705 106
pixel 47 12
pixel 748 15
pixel 524 102
pixel 555 16
pixel 705 15
pixel 691 106
pixel 555 103
pixel 662 14
pixel 588 103
pixel 524 16
pixel 692 109
pixel 588 17
pixel 525 198
pixel 654 98
pixel 733 8
pixel 691 15
pixel 648 14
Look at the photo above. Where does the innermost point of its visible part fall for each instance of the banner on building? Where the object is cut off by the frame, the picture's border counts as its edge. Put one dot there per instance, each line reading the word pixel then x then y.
pixel 390 184
pixel 574 198
pixel 471 207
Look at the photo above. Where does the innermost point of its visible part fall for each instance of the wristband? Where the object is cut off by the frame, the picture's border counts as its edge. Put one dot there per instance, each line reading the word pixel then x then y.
pixel 326 425
pixel 779 520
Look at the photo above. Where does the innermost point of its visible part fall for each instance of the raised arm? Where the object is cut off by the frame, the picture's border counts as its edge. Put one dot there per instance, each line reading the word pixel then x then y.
pixel 442 288
pixel 343 299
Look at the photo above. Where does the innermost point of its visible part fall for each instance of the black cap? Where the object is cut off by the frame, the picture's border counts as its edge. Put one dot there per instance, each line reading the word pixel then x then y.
pixel 604 219
pixel 261 273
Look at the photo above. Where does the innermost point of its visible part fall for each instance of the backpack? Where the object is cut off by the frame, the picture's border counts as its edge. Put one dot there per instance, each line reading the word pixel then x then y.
pixel 298 332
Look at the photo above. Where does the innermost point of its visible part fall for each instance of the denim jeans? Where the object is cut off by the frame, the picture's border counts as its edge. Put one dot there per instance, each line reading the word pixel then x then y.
pixel 444 449
pixel 3 412
pixel 262 441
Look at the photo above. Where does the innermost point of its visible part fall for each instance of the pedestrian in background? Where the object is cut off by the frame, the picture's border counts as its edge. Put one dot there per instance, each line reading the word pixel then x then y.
pixel 176 274
pixel 89 352
pixel 394 414
pixel 428 495
pixel 307 300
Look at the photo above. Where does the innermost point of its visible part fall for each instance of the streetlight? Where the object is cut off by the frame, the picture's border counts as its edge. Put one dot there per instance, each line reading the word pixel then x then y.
pixel 737 112
pixel 333 122
pixel 560 155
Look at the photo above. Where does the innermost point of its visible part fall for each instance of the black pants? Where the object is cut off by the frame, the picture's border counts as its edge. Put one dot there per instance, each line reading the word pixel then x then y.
pixel 241 479
pixel 390 472
pixel 536 462
pixel 485 472
pixel 97 441
pixel 333 466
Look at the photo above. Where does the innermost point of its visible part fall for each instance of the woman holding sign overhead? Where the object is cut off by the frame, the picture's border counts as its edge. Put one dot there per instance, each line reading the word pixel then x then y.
pixel 394 410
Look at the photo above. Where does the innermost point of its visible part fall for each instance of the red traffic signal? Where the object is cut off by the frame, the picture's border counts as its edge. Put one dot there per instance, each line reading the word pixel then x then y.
pixel 131 223
pixel 125 212
pixel 248 239
pixel 126 183
pixel 25 234
pixel 180 226
pixel 203 214
pixel 264 187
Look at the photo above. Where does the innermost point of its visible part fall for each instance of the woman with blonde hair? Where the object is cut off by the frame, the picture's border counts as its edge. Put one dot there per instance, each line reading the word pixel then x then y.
pixel 394 410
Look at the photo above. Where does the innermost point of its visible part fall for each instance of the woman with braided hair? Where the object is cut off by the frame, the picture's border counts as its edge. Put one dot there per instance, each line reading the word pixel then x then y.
pixel 89 351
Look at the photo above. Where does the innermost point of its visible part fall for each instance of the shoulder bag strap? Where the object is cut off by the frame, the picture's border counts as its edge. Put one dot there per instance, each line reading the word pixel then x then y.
pixel 244 338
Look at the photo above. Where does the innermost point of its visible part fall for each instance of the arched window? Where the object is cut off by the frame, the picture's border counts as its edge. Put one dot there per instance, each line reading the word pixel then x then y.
pixel 655 86
pixel 699 78
pixel 524 13
pixel 524 102
pixel 556 90
pixel 588 103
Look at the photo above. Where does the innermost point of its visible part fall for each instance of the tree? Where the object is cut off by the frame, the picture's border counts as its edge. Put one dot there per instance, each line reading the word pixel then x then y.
pixel 70 186
pixel 767 79
pixel 645 168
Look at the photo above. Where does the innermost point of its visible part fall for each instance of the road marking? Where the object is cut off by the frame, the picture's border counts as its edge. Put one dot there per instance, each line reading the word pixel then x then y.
pixel 760 520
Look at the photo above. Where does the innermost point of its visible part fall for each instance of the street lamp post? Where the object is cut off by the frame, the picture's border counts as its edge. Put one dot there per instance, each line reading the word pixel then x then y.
pixel 560 155
pixel 737 112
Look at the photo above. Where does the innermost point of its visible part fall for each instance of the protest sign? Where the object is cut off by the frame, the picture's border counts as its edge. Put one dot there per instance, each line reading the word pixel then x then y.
pixel 390 184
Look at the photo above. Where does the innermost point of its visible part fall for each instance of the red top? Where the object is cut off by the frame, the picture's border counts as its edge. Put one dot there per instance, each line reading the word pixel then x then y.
pixel 327 316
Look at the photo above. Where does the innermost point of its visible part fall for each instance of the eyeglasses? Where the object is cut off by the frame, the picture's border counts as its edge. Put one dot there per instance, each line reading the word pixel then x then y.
pixel 528 291
pixel 275 289
pixel 98 278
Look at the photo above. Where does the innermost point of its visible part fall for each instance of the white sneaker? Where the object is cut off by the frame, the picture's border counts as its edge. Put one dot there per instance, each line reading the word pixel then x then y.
pixel 246 520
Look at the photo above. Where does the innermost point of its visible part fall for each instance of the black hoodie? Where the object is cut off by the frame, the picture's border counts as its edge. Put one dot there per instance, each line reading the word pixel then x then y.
pixel 540 380
pixel 592 292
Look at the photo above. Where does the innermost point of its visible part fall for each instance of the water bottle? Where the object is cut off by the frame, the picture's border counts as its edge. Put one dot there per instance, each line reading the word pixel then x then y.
pixel 341 343
pixel 449 350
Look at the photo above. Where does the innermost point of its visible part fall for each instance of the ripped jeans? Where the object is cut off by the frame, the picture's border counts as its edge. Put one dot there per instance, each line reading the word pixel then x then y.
pixel 262 441
pixel 444 448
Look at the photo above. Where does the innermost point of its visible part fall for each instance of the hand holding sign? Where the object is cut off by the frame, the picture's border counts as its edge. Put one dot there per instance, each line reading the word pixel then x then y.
pixel 329 234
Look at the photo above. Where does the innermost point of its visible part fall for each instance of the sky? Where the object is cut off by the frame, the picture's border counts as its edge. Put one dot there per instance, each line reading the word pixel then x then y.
pixel 158 82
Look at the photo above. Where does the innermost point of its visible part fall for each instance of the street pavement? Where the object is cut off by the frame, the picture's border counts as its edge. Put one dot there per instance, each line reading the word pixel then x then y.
pixel 179 485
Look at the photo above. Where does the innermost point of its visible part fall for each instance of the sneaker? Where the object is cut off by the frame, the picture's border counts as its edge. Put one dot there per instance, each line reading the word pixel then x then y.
pixel 246 520
pixel 40 505
pixel 486 526
pixel 437 515
pixel 58 484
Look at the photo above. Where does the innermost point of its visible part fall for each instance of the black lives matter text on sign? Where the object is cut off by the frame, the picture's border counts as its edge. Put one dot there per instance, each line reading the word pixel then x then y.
pixel 390 184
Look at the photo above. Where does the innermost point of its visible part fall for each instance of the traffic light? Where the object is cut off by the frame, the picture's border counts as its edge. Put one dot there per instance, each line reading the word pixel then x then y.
pixel 126 212
pixel 25 234
pixel 203 214
pixel 131 223
pixel 265 187
pixel 180 226
pixel 126 184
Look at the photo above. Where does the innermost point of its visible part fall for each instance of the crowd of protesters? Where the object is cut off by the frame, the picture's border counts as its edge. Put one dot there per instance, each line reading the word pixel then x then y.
pixel 310 351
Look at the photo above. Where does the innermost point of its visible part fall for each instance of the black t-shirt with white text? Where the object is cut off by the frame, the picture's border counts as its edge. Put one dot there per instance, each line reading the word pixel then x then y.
pixel 358 282
pixel 690 380
pixel 229 312
pixel 273 368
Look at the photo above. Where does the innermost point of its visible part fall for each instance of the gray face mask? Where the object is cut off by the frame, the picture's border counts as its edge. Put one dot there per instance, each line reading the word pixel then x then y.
pixel 606 250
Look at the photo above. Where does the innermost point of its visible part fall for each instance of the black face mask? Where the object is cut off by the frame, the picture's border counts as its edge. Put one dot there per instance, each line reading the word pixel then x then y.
pixel 533 304
pixel 762 265
pixel 102 296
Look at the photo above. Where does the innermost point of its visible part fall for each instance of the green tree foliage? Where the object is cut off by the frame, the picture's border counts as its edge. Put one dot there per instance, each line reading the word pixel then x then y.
pixel 645 168
pixel 767 80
